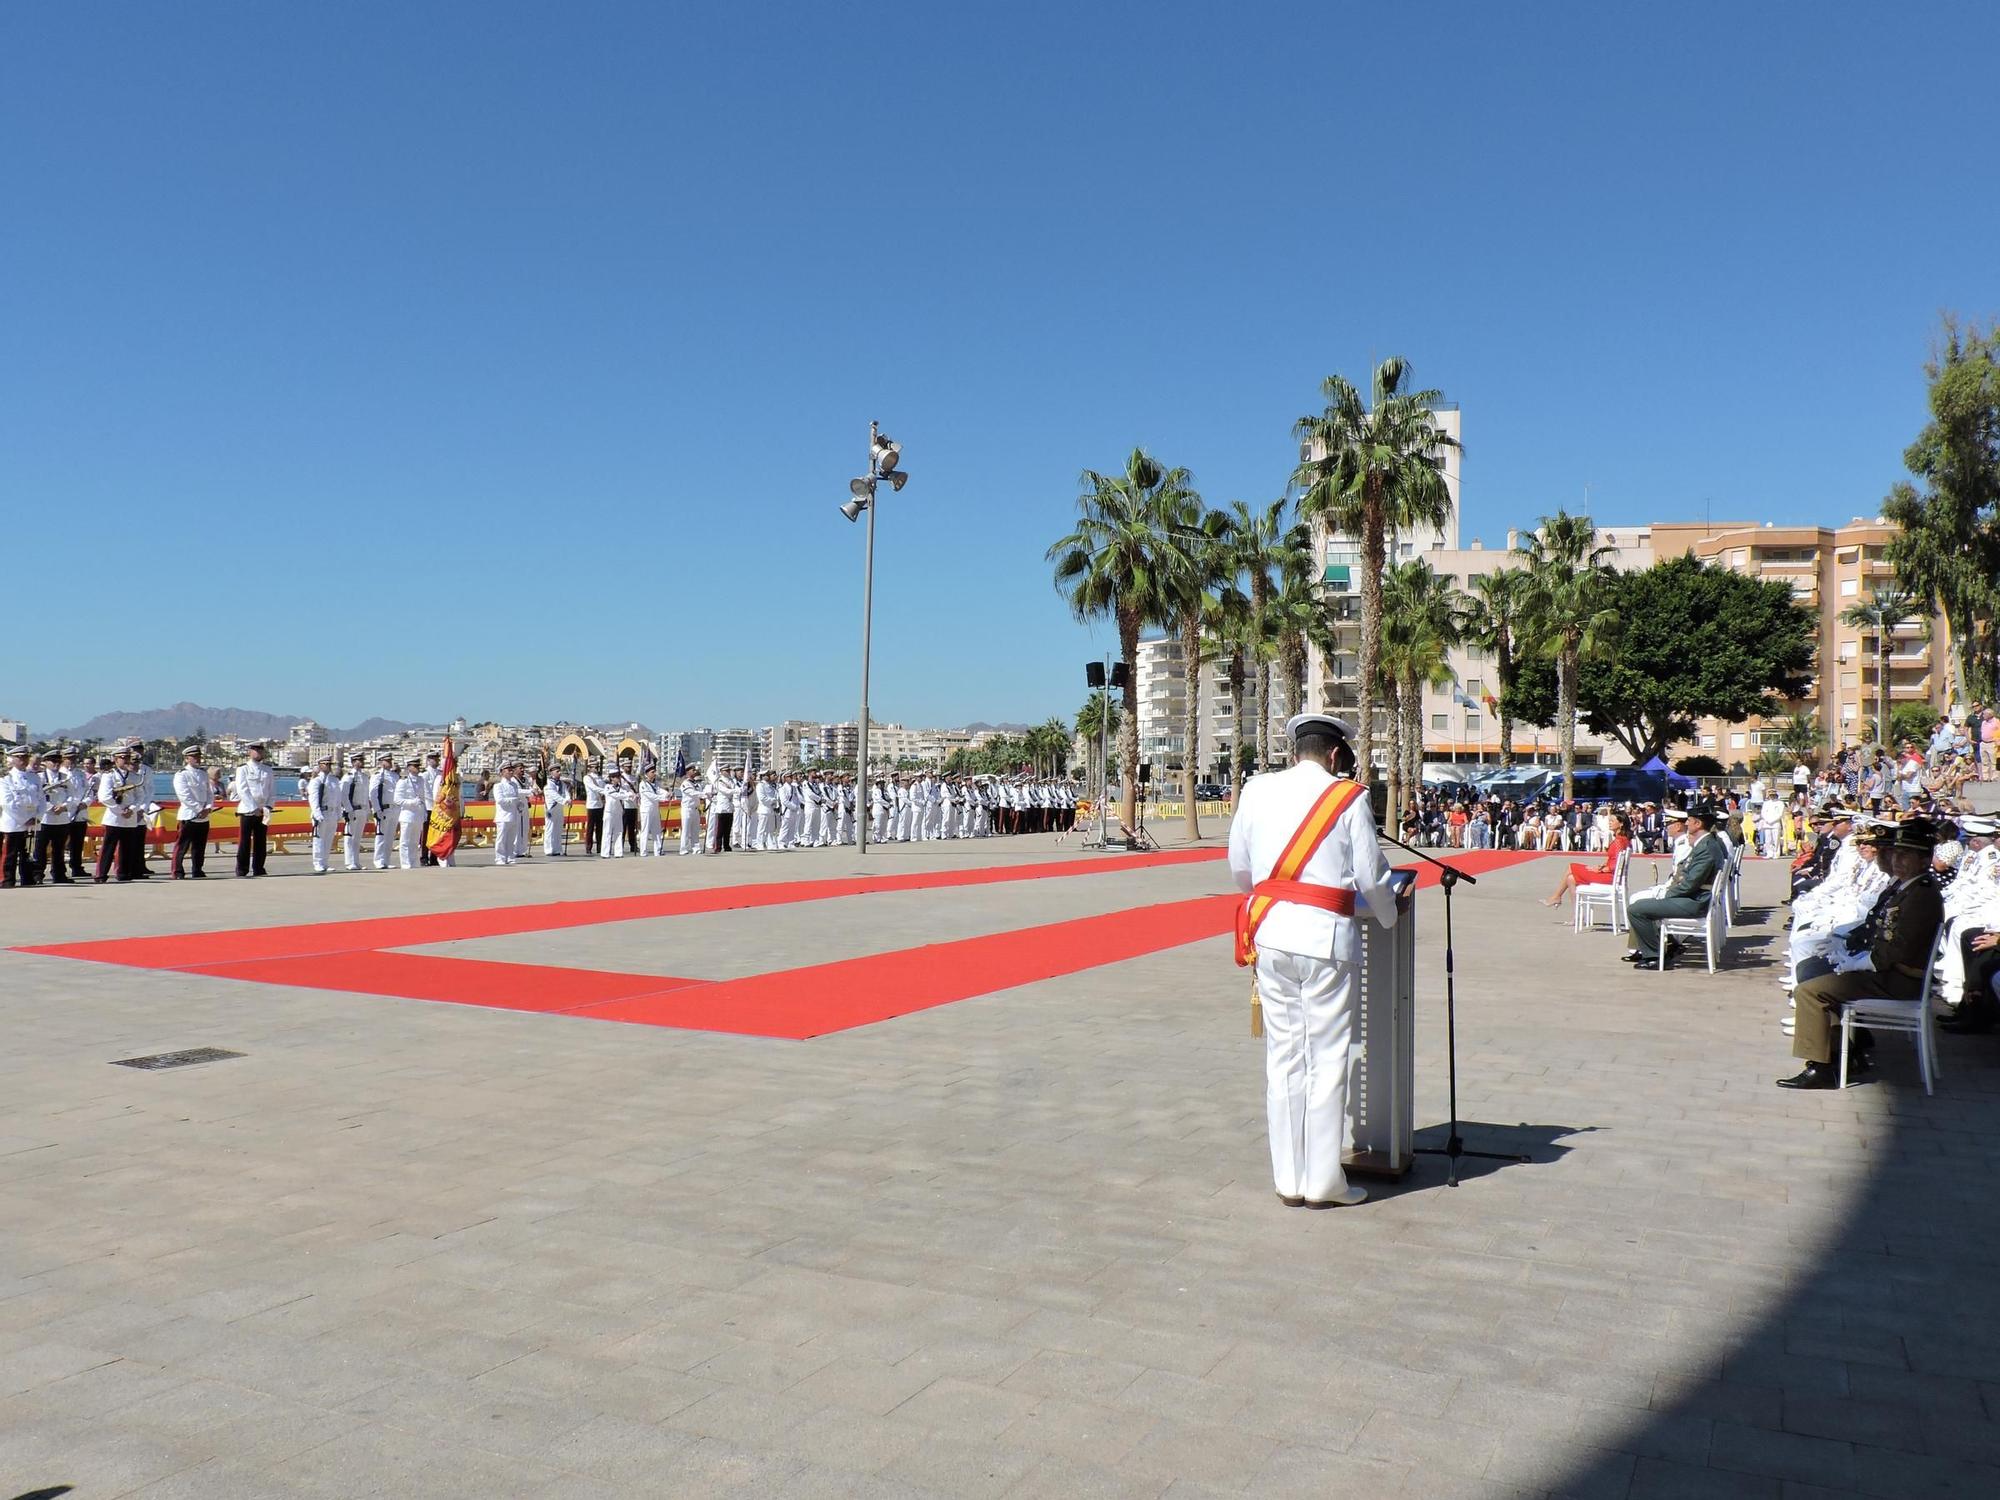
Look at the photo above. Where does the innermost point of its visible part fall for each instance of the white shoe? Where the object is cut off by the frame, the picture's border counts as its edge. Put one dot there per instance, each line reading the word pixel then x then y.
pixel 1347 1197
pixel 1787 1025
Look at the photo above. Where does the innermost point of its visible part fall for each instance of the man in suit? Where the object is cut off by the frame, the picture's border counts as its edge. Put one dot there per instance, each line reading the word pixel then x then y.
pixel 1686 894
pixel 1901 932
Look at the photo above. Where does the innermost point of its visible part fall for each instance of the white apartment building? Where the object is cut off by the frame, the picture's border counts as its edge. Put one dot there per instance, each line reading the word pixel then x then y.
pixel 730 748
pixel 1453 729
pixel 1162 692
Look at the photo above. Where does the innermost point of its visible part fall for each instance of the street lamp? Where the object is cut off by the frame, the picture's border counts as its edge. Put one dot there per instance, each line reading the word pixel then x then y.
pixel 882 457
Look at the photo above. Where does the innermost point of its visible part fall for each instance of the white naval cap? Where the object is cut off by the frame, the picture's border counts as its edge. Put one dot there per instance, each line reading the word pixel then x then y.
pixel 1299 724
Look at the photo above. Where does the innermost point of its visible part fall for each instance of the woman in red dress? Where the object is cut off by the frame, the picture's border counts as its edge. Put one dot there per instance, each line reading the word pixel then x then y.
pixel 1621 840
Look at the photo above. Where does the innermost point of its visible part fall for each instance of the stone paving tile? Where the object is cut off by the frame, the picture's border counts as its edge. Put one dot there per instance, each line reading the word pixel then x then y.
pixel 1023 1244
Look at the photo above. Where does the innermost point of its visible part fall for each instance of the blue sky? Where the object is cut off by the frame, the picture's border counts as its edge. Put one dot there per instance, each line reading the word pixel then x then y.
pixel 595 302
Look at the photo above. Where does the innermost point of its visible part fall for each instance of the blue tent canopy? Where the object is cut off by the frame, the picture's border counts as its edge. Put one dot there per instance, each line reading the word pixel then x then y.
pixel 1674 778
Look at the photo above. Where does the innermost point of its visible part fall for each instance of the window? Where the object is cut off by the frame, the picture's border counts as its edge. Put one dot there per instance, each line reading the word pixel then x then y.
pixel 1849 650
pixel 1438 721
pixel 1471 721
pixel 1474 687
pixel 1849 587
pixel 1736 740
pixel 1738 556
pixel 1708 742
pixel 1850 679
pixel 1850 710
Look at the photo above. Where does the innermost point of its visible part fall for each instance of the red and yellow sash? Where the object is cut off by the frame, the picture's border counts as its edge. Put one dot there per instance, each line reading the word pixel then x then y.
pixel 1283 883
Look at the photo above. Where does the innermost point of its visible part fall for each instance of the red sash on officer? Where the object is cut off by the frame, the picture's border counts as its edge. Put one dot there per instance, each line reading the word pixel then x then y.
pixel 1283 883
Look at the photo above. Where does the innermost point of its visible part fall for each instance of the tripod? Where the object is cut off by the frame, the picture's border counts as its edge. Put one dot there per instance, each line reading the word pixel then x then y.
pixel 1454 1144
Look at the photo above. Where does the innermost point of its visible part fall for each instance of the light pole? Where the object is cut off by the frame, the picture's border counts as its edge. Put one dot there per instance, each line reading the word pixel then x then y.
pixel 882 456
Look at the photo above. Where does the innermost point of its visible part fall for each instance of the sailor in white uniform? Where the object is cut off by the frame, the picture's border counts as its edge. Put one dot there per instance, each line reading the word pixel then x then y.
pixel 690 812
pixel 323 802
pixel 413 815
pixel 506 814
pixel 652 839
pixel 382 807
pixel 1308 956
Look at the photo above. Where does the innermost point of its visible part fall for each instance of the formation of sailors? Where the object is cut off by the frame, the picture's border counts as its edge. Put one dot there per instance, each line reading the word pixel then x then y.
pixel 377 816
pixel 722 811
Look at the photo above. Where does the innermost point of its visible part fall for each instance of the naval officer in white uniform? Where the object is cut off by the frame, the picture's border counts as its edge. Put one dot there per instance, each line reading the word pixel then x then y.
pixel 1308 956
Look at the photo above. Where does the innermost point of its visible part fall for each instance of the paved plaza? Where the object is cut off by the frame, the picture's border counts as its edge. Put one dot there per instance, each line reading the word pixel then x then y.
pixel 1023 1244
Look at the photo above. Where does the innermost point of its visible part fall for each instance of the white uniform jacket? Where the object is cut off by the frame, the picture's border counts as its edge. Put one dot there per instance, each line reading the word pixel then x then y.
pixel 196 793
pixel 1272 808
pixel 256 788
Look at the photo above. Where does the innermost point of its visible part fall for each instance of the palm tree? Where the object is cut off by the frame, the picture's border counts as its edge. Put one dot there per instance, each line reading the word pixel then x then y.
pixel 1263 543
pixel 1120 561
pixel 1886 607
pixel 1297 617
pixel 1499 599
pixel 1368 470
pixel 1205 563
pixel 1565 614
pixel 1423 617
pixel 1227 638
pixel 1055 741
pixel 1097 723
pixel 1799 737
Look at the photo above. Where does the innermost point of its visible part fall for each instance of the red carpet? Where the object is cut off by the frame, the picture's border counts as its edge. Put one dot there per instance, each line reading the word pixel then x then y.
pixel 793 1003
pixel 201 949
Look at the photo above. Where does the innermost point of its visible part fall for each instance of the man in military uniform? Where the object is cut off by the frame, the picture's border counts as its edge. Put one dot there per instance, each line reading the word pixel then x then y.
pixel 52 839
pixel 1302 849
pixel 196 795
pixel 1686 895
pixel 23 799
pixel 1898 937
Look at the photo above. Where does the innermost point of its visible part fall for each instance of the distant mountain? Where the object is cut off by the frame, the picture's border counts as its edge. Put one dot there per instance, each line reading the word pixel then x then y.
pixel 1002 728
pixel 184 719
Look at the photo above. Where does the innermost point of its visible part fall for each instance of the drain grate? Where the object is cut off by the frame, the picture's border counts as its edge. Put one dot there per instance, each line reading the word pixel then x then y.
pixel 187 1059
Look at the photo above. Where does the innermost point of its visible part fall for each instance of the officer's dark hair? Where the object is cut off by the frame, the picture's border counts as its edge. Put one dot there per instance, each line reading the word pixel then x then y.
pixel 1319 744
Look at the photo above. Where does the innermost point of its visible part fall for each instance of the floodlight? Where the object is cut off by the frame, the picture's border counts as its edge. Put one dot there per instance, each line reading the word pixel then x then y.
pixel 852 509
pixel 886 454
pixel 897 478
pixel 861 489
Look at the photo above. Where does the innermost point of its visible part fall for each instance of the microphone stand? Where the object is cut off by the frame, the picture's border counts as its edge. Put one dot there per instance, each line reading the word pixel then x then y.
pixel 1454 1144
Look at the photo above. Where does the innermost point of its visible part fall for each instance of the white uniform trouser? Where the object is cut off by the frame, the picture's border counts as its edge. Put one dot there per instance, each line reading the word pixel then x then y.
pixel 690 829
pixel 505 825
pixel 769 821
pixel 905 815
pixel 385 837
pixel 351 845
pixel 1308 1029
pixel 525 830
pixel 815 826
pixel 323 832
pixel 410 836
pixel 713 843
pixel 652 841
pixel 845 834
pixel 552 828
pixel 614 828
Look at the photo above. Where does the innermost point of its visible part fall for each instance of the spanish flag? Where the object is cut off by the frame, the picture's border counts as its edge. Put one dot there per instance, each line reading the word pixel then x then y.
pixel 442 837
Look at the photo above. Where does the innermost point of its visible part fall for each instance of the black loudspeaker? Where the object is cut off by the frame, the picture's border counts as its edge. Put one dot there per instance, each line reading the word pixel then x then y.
pixel 1093 674
pixel 1145 773
pixel 1120 674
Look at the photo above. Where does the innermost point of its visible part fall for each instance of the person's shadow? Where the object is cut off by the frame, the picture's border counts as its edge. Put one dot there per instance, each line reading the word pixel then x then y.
pixel 48 1494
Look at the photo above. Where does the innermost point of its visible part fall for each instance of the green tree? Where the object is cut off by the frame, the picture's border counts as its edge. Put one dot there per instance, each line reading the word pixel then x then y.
pixel 1948 551
pixel 1371 468
pixel 1423 617
pixel 1120 561
pixel 1228 637
pixel 1800 738
pixel 1296 618
pixel 1493 625
pixel 1567 615
pixel 1879 614
pixel 1206 563
pixel 1696 642
pixel 1264 542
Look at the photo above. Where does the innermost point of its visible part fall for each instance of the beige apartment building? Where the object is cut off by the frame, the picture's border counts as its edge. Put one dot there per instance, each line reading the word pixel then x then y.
pixel 1829 569
pixel 1162 693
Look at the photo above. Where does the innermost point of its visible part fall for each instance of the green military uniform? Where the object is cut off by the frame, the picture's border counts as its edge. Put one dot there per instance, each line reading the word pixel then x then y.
pixel 1687 896
pixel 1909 918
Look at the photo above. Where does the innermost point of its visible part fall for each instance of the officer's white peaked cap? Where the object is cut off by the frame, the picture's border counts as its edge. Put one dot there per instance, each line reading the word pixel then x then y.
pixel 1299 724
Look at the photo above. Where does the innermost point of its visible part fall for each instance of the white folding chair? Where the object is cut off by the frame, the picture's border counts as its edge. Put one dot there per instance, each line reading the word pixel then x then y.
pixel 1884 1014
pixel 1711 929
pixel 1612 898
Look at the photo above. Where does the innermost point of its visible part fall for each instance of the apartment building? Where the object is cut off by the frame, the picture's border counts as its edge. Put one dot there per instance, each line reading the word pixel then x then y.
pixel 1829 569
pixel 1162 691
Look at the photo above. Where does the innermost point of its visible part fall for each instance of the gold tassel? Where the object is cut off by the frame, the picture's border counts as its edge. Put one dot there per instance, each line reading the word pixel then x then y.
pixel 1256 1009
